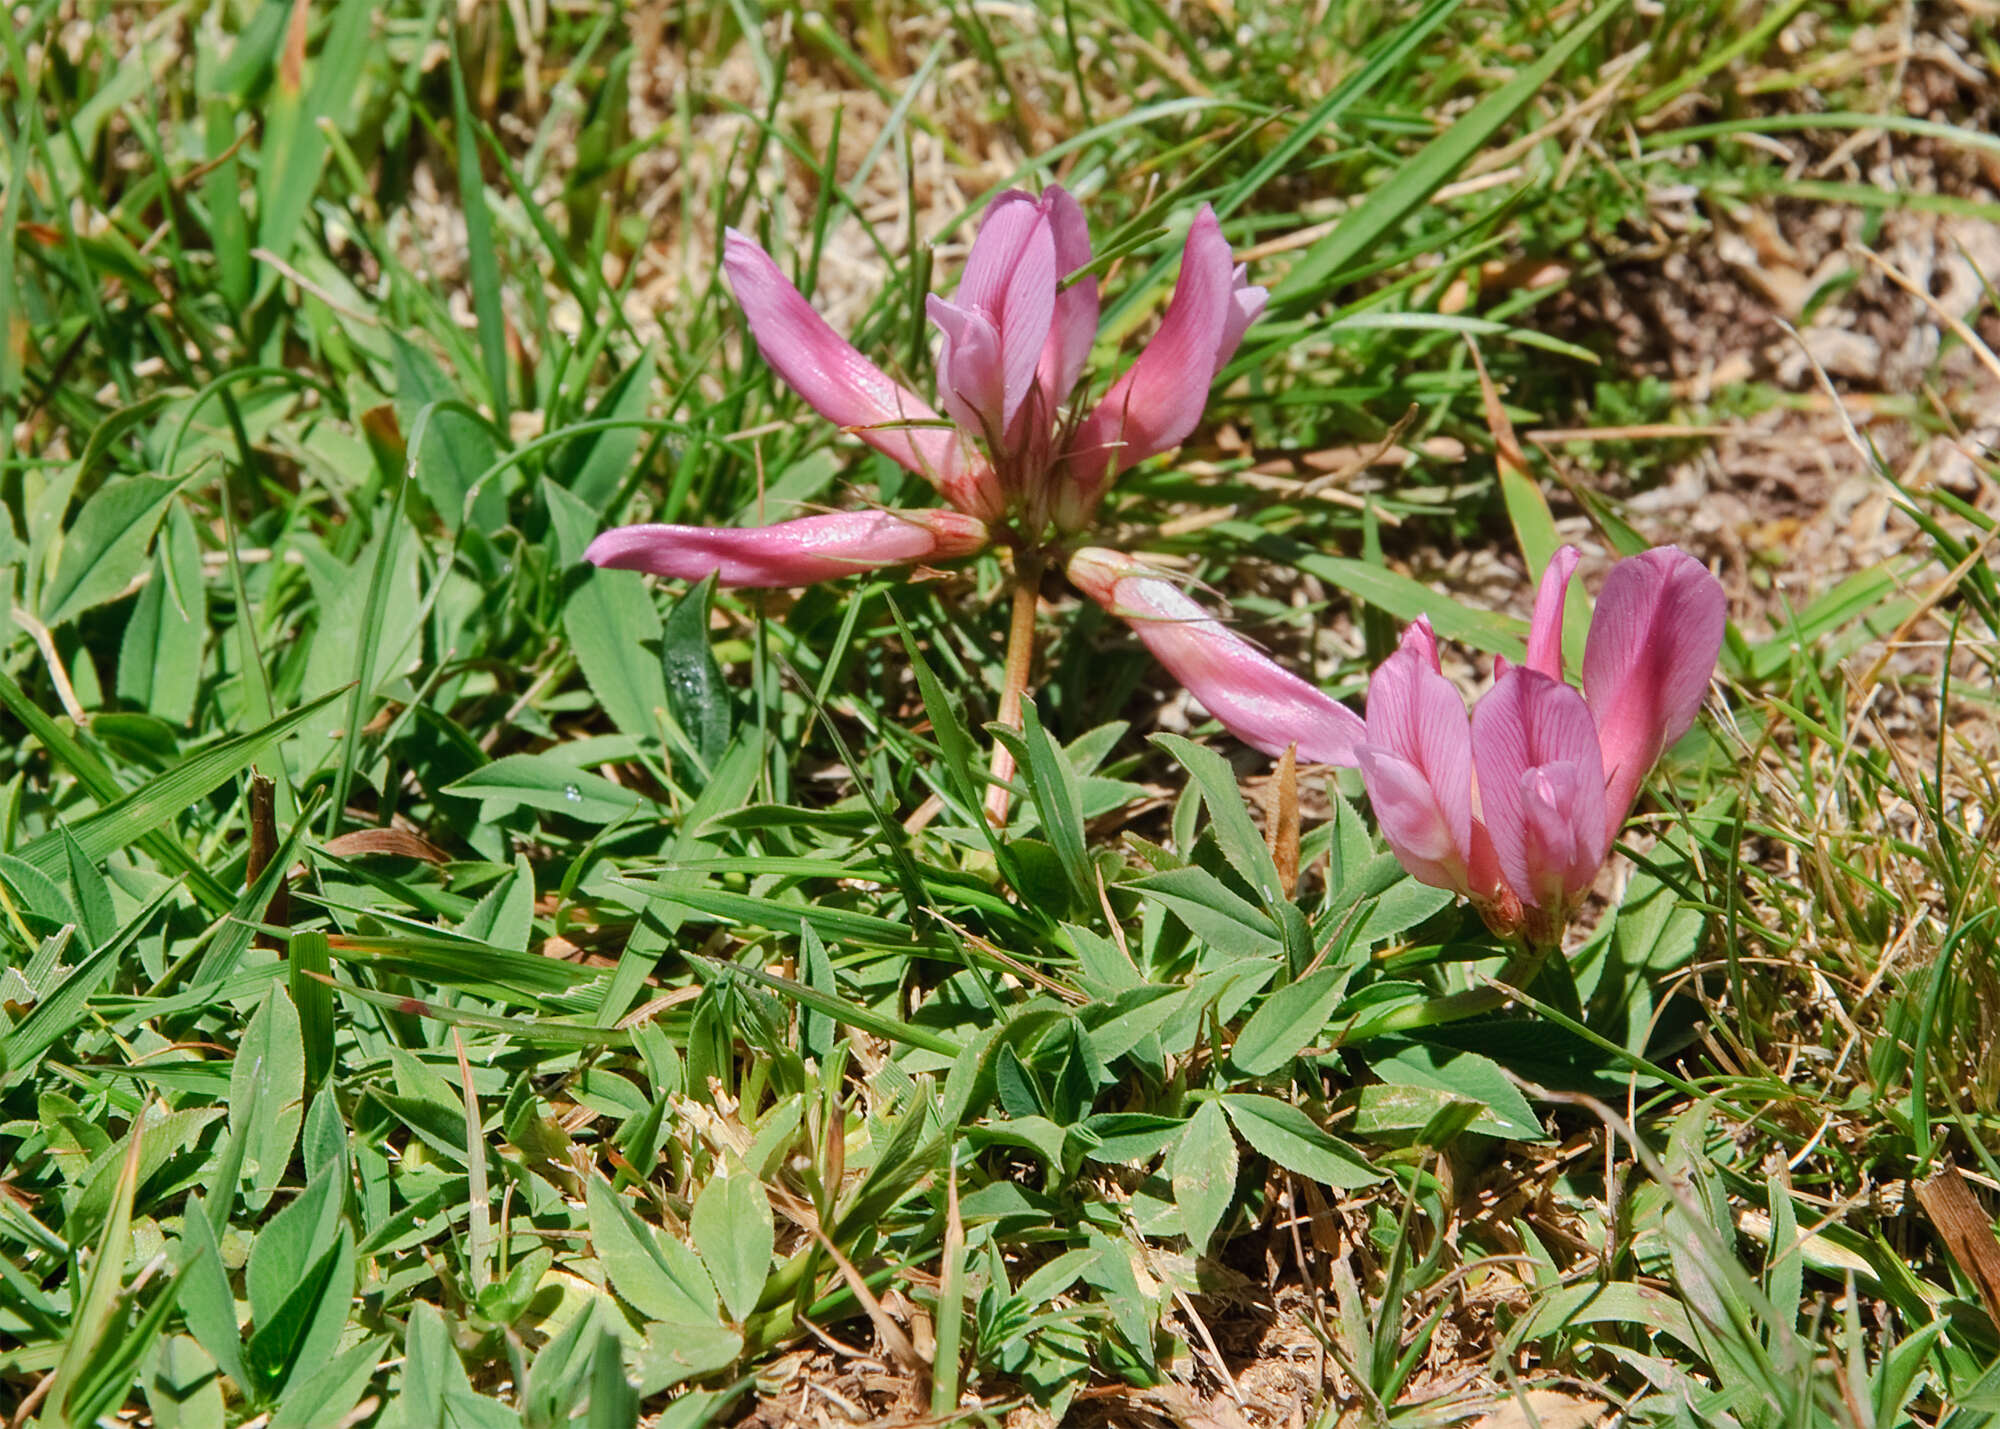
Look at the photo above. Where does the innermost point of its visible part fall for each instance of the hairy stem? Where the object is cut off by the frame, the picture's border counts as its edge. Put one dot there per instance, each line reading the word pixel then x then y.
pixel 1020 664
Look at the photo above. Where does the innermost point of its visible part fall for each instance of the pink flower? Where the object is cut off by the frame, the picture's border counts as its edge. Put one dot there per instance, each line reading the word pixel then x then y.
pixel 1255 699
pixel 1517 808
pixel 812 548
pixel 1015 448
pixel 1012 343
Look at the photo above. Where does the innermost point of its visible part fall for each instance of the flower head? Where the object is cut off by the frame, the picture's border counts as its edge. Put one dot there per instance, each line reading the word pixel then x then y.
pixel 1518 807
pixel 1014 450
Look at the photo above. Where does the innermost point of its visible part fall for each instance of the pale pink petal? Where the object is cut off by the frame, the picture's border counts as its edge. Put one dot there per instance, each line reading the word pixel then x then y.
pixel 1027 316
pixel 1652 645
pixel 1421 642
pixel 1160 398
pixel 1004 230
pixel 1010 278
pixel 790 553
pixel 971 383
pixel 842 385
pixel 1545 629
pixel 1075 326
pixel 1417 715
pixel 1534 744
pixel 1413 823
pixel 1246 304
pixel 1255 699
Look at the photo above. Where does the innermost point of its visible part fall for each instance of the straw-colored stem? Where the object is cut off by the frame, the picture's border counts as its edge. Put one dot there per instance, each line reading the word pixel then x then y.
pixel 1020 664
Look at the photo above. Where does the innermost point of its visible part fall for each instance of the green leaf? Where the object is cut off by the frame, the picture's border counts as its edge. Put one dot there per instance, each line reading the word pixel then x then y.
pixel 696 695
pixel 308 954
pixel 1430 168
pixel 294 1341
pixel 272 1054
pixel 155 804
pixel 159 659
pixel 541 781
pixel 675 1352
pixel 90 895
pixel 480 252
pixel 732 1228
pixel 1235 834
pixel 1283 1133
pixel 612 625
pixel 1398 908
pixel 290 1244
pixel 104 550
pixel 1404 600
pixel 654 1274
pixel 454 449
pixel 1058 803
pixel 505 916
pixel 1288 1021
pixel 1204 1174
pixel 206 1303
pixel 1468 1075
pixel 593 466
pixel 294 150
pixel 1212 912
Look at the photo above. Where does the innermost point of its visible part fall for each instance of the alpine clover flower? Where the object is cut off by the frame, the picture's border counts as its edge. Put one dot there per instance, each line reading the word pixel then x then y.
pixel 1517 807
pixel 1018 456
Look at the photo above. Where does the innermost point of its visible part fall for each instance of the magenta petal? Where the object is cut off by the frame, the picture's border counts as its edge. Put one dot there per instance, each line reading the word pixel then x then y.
pixel 1075 325
pixel 1652 645
pixel 1160 398
pixel 1541 787
pixel 842 385
pixel 789 553
pixel 1545 629
pixel 1254 698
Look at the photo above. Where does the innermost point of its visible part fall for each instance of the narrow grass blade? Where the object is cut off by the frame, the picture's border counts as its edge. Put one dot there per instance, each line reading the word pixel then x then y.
pixel 151 808
pixel 1429 169
pixel 480 251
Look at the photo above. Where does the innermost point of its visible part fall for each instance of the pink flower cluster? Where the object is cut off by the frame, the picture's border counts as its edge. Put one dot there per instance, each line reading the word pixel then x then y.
pixel 1517 807
pixel 1012 455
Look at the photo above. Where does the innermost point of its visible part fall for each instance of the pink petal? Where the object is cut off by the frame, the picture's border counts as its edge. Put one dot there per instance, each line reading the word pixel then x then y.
pixel 1003 234
pixel 1160 398
pixel 1010 277
pixel 1246 303
pixel 842 385
pixel 971 384
pixel 1417 731
pixel 790 553
pixel 1541 788
pixel 1075 325
pixel 1420 641
pixel 1545 629
pixel 1027 316
pixel 1653 641
pixel 1255 699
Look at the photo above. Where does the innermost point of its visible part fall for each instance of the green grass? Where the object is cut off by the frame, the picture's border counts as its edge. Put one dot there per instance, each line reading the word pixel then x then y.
pixel 442 983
